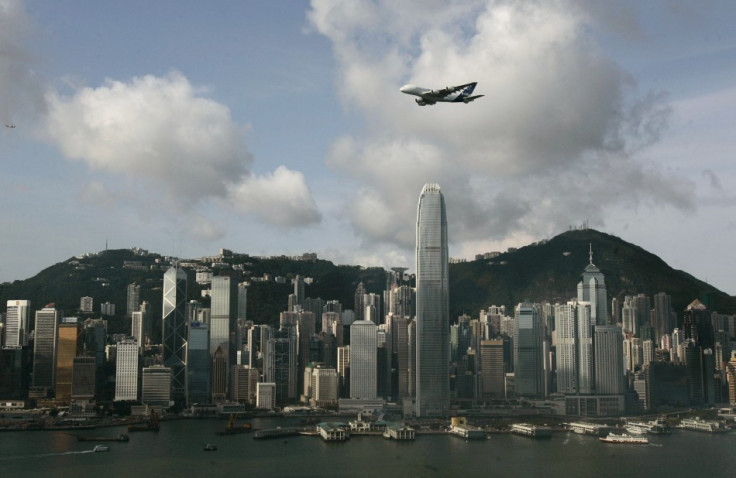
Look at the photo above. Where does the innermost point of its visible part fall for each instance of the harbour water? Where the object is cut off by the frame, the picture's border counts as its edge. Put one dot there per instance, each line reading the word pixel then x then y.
pixel 177 450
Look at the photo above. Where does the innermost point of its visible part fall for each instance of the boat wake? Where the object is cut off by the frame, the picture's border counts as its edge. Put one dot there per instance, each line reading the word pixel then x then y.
pixel 41 455
pixel 655 444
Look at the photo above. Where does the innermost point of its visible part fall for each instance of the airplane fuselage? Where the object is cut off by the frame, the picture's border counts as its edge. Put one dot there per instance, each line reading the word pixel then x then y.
pixel 450 94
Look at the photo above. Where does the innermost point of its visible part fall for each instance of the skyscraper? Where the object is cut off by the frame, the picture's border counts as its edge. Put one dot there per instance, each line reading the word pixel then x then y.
pixel 44 348
pixel 133 301
pixel 592 289
pixel 223 307
pixel 199 386
pixel 363 360
pixel 16 323
pixel 67 348
pixel 528 350
pixel 174 330
pixel 126 371
pixel 432 305
pixel 609 366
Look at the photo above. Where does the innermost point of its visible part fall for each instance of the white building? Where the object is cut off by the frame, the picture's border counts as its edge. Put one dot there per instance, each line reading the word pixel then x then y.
pixel 126 371
pixel 16 323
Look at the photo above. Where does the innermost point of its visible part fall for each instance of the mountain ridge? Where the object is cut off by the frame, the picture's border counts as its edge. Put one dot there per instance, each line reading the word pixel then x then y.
pixel 546 270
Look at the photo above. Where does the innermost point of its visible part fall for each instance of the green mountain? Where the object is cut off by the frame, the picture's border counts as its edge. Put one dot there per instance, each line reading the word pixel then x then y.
pixel 549 270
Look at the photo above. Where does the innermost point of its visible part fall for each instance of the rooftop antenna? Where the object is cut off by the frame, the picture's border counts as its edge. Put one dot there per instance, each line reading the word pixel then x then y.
pixel 591 252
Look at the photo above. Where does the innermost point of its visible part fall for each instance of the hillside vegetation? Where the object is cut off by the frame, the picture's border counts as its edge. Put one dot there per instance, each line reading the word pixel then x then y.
pixel 549 270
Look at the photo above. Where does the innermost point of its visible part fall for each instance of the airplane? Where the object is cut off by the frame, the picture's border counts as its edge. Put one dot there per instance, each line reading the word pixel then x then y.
pixel 10 125
pixel 451 94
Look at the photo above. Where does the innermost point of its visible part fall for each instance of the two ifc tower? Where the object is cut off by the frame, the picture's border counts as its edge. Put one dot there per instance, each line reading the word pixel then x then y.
pixel 432 305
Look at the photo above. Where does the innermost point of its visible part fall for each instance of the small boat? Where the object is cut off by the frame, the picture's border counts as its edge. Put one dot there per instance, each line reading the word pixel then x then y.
pixel 100 448
pixel 210 447
pixel 625 439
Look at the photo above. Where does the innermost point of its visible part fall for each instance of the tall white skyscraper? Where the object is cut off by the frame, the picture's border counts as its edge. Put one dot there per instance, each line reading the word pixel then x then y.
pixel 363 360
pixel 575 372
pixel 126 371
pixel 16 323
pixel 432 305
pixel 592 289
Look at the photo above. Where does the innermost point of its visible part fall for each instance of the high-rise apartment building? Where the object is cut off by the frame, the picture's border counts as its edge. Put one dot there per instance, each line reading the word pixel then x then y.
pixel 432 305
pixel 363 360
pixel 174 330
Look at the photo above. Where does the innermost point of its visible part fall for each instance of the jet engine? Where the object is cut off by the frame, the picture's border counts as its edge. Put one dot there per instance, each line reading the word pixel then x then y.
pixel 420 102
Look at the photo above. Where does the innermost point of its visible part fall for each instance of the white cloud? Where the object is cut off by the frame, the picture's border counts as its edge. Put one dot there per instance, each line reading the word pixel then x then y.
pixel 553 142
pixel 152 128
pixel 174 149
pixel 280 199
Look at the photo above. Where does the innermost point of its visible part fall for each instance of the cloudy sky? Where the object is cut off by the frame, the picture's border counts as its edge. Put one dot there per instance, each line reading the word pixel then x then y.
pixel 277 127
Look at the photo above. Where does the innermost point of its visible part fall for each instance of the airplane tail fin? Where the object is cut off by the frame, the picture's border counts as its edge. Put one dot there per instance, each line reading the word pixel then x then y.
pixel 469 90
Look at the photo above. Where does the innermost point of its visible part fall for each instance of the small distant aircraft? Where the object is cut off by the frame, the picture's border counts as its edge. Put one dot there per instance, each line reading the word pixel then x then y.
pixel 451 94
pixel 10 125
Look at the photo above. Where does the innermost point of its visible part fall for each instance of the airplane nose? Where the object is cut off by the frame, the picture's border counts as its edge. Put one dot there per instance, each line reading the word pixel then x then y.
pixel 405 88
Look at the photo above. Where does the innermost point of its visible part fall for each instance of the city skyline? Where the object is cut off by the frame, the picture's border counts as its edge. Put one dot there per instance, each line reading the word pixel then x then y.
pixel 280 129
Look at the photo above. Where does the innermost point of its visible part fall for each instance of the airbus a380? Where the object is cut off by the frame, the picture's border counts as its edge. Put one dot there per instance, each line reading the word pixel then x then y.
pixel 451 94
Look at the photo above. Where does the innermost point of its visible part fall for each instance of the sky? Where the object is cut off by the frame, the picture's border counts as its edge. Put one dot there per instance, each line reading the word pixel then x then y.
pixel 277 127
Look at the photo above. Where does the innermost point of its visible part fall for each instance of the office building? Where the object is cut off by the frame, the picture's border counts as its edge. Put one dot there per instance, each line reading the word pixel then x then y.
pixel 198 382
pixel 44 349
pixel 609 367
pixel 266 395
pixel 174 330
pixel 133 301
pixel 432 305
pixel 528 350
pixel 363 360
pixel 592 289
pixel 83 378
pixel 16 323
pixel 224 309
pixel 68 346
pixel 126 371
pixel 156 386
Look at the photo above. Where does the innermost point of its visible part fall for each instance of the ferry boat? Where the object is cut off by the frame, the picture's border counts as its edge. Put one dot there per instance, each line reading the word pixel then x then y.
pixel 699 425
pixel 532 431
pixel 636 428
pixel 624 439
